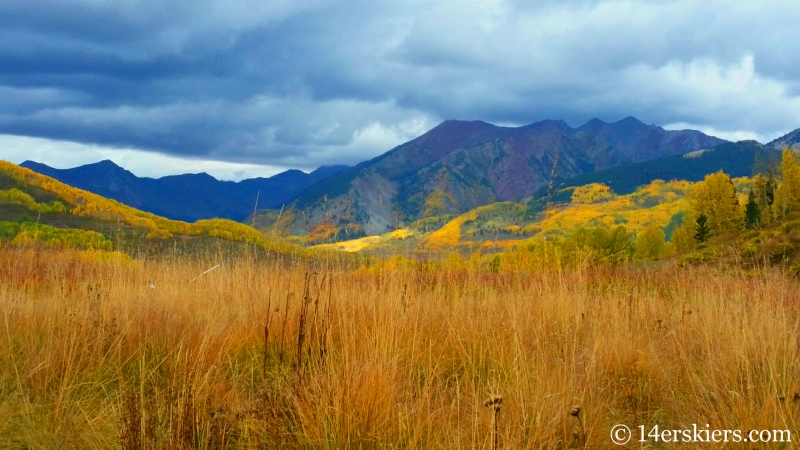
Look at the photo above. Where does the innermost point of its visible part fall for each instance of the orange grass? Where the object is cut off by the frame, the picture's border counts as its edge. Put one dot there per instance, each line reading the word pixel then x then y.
pixel 92 357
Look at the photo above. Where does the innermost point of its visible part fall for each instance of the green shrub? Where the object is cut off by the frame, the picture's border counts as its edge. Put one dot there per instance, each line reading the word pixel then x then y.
pixel 748 251
pixel 750 235
pixel 701 256
pixel 788 227
pixel 782 250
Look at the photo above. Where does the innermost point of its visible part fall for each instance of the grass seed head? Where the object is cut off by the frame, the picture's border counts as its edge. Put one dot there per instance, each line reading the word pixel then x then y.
pixel 494 402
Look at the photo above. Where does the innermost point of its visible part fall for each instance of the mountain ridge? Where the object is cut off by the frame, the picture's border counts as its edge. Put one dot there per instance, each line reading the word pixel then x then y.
pixel 790 140
pixel 459 165
pixel 737 159
pixel 187 197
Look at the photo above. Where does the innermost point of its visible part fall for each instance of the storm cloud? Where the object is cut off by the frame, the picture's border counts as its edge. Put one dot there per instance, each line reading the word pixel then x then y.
pixel 306 83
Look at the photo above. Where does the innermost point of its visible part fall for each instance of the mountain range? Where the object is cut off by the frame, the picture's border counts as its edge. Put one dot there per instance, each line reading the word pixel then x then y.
pixel 187 197
pixel 451 169
pixel 460 165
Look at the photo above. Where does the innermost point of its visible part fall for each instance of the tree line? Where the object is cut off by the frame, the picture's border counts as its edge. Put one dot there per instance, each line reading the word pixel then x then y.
pixel 772 196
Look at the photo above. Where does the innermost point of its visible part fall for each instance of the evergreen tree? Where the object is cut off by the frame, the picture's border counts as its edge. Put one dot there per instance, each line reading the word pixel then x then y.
pixel 764 191
pixel 702 231
pixel 771 185
pixel 752 212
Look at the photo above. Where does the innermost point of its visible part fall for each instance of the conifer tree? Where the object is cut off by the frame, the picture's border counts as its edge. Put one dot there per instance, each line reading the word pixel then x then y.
pixel 702 231
pixel 771 185
pixel 764 190
pixel 752 213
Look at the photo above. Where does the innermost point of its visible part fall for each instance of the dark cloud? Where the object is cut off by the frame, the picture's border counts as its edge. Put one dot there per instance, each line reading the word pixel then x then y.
pixel 303 83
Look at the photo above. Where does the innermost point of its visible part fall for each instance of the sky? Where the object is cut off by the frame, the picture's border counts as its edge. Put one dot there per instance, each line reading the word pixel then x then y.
pixel 244 88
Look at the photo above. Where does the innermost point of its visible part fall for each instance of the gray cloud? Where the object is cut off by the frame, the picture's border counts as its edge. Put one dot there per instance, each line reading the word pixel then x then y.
pixel 303 83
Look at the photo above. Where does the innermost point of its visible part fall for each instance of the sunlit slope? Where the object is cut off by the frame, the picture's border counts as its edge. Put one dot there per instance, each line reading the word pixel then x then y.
pixel 34 204
pixel 661 203
pixel 355 245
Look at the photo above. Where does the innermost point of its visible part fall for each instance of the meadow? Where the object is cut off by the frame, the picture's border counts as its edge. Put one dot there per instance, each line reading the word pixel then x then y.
pixel 99 350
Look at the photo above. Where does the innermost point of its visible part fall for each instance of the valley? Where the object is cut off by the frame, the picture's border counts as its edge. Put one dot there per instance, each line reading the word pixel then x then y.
pixel 597 294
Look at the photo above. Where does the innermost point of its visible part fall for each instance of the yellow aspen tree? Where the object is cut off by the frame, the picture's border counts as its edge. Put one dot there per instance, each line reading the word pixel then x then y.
pixel 715 197
pixel 787 196
pixel 650 243
pixel 683 236
pixel 591 193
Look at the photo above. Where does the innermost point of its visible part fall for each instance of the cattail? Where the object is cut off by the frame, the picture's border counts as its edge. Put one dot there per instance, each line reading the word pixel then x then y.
pixel 580 432
pixel 301 327
pixel 494 402
pixel 266 334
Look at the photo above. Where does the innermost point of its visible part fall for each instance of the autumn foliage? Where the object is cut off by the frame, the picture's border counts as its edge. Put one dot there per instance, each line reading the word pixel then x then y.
pixel 32 234
pixel 574 327
pixel 84 203
pixel 16 197
pixel 591 193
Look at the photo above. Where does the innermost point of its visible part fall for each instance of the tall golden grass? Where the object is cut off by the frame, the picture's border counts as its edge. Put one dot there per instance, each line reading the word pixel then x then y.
pixel 134 354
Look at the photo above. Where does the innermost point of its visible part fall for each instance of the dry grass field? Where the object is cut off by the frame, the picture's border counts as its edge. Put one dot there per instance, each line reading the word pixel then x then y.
pixel 115 353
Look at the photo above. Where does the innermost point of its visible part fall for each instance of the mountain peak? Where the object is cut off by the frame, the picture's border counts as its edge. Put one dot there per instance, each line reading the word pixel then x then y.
pixel 104 164
pixel 443 138
pixel 459 127
pixel 628 124
pixel 475 163
pixel 557 124
pixel 33 165
pixel 790 140
pixel 327 171
pixel 630 120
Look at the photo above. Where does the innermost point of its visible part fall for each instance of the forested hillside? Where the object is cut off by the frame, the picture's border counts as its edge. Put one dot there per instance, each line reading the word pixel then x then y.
pixel 187 197
pixel 699 221
pixel 37 208
pixel 460 165
pixel 739 159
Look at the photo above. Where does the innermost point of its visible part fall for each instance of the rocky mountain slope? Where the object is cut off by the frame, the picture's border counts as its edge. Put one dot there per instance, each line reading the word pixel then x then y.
pixel 460 165
pixel 791 140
